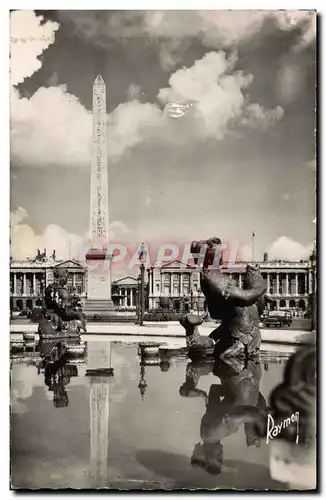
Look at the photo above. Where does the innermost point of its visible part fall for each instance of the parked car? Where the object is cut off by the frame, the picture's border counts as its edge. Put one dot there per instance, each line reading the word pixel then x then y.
pixel 278 319
pixel 272 320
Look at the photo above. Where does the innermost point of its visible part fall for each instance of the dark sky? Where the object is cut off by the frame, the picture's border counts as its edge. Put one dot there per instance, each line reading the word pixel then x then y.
pixel 241 160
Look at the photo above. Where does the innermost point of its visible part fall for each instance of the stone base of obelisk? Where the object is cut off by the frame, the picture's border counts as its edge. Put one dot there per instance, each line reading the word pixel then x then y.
pixel 99 308
pixel 99 304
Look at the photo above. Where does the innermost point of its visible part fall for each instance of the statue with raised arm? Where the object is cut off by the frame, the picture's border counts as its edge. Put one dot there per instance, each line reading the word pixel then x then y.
pixel 62 305
pixel 61 318
pixel 238 309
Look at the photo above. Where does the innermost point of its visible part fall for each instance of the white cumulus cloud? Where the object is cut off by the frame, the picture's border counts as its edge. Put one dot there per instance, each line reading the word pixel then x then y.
pixel 50 128
pixel 287 249
pixel 25 242
pixel 53 128
pixel 29 38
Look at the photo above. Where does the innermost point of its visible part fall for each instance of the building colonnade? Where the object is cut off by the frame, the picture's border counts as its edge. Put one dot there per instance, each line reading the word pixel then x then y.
pixel 28 285
pixel 289 286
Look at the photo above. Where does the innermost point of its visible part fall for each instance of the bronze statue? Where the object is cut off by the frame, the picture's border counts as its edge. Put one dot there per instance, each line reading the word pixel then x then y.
pixel 238 309
pixel 61 305
pixel 198 345
pixel 60 318
pixel 194 371
pixel 229 405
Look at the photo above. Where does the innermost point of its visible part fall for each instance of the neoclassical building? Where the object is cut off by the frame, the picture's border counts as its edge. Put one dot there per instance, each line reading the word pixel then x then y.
pixel 28 279
pixel 126 289
pixel 289 283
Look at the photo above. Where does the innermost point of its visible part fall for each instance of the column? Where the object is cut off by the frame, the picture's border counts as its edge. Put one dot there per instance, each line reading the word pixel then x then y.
pixel 296 284
pixel 268 282
pixel 310 282
pixel 306 283
pixel 73 280
pixel 24 284
pixel 240 280
pixel 287 284
pixel 131 297
pixel 15 284
pixel 150 282
pixel 34 284
pixel 277 283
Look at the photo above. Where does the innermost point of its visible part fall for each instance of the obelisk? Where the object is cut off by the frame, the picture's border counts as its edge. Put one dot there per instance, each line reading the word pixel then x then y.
pixel 97 259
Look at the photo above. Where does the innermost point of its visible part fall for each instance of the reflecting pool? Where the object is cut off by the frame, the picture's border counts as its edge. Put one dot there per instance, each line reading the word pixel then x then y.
pixel 156 424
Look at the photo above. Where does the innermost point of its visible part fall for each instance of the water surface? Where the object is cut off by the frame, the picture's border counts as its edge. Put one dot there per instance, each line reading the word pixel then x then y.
pixel 139 428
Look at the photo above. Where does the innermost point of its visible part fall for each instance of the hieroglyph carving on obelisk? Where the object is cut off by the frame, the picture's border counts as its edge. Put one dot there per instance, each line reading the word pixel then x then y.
pixel 99 216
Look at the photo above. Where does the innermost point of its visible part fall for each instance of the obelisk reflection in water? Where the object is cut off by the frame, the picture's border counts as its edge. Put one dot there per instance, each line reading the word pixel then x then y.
pixel 99 372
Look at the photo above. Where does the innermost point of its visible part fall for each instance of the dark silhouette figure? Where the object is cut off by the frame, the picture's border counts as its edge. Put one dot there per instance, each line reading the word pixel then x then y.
pixel 57 374
pixel 194 371
pixel 229 405
pixel 296 393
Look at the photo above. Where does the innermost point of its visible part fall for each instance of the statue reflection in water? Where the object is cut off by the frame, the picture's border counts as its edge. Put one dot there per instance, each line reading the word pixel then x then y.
pixel 229 405
pixel 57 374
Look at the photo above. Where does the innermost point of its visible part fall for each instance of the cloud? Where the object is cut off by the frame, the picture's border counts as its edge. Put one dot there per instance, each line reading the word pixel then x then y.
pixel 29 38
pixel 18 216
pixel 41 126
pixel 50 128
pixel 222 29
pixel 217 95
pixel 53 128
pixel 286 249
pixel 289 83
pixel 227 28
pixel 255 116
pixel 172 31
pixel 134 91
pixel 25 242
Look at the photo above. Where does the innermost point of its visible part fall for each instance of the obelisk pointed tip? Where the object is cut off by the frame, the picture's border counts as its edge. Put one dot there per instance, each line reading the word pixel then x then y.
pixel 99 81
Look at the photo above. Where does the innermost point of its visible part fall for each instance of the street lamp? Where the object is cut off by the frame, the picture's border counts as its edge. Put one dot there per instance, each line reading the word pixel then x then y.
pixel 142 382
pixel 142 258
pixel 138 299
